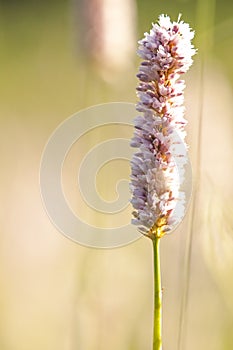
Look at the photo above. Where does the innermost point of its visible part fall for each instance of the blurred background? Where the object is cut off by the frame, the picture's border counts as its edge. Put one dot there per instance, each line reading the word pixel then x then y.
pixel 57 57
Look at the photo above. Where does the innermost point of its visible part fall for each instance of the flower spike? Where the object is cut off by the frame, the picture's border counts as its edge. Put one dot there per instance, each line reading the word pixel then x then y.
pixel 160 128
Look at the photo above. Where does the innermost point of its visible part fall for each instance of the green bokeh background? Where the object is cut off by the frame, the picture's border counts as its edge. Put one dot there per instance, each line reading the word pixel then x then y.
pixel 57 295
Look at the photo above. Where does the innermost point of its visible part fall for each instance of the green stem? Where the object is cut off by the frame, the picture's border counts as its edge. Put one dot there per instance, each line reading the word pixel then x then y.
pixel 157 342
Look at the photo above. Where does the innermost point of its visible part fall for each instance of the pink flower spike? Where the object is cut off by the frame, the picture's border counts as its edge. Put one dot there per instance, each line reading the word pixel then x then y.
pixel 160 129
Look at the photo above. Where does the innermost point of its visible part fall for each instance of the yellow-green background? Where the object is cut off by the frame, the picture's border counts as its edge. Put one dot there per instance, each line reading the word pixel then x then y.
pixel 57 295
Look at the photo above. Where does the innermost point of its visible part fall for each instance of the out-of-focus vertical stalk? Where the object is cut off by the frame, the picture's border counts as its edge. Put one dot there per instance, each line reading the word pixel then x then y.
pixel 205 17
pixel 157 340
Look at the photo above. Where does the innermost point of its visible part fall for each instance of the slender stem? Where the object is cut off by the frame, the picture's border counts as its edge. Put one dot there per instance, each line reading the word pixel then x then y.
pixel 157 342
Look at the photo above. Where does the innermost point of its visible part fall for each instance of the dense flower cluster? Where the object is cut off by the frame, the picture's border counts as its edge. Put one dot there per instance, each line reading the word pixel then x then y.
pixel 160 129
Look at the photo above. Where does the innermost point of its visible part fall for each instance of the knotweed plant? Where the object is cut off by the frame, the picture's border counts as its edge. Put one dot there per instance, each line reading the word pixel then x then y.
pixel 159 132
